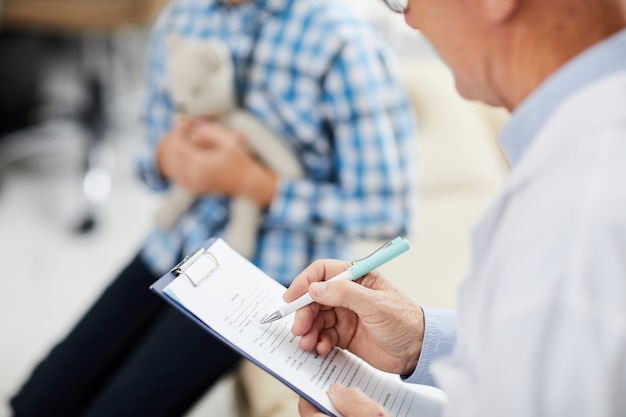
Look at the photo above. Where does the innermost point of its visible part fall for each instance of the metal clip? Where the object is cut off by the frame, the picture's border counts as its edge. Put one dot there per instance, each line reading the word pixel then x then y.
pixel 196 267
pixel 385 245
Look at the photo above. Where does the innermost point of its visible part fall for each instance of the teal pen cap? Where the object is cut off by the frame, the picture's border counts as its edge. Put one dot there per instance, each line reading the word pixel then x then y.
pixel 380 256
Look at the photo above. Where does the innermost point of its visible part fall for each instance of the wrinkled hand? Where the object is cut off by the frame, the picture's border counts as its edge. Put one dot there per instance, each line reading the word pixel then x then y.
pixel 370 318
pixel 205 157
pixel 350 402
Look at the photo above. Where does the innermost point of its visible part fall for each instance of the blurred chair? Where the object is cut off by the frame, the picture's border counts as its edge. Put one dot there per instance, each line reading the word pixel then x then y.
pixel 86 29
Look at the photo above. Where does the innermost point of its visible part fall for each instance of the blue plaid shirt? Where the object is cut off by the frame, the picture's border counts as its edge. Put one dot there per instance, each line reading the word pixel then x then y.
pixel 320 78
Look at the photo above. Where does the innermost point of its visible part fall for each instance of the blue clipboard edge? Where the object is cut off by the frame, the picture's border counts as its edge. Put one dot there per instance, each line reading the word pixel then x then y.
pixel 158 287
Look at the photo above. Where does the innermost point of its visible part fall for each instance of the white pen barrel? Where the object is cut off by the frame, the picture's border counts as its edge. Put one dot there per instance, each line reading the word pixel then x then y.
pixel 347 274
pixel 303 301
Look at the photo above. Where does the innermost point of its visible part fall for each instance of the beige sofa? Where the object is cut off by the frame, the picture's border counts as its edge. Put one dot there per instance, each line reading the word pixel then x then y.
pixel 460 170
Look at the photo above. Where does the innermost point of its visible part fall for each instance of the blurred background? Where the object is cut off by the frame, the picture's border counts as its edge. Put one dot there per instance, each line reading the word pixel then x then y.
pixel 71 209
pixel 72 212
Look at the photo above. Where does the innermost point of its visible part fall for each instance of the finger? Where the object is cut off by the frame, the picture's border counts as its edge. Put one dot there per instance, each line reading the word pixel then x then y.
pixel 322 336
pixel 352 402
pixel 182 125
pixel 329 336
pixel 310 336
pixel 306 315
pixel 347 294
pixel 172 158
pixel 209 133
pixel 179 120
pixel 327 339
pixel 303 319
pixel 306 409
pixel 206 133
pixel 319 270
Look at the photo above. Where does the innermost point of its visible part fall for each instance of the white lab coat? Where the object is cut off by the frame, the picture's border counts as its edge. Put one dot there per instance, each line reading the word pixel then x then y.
pixel 542 312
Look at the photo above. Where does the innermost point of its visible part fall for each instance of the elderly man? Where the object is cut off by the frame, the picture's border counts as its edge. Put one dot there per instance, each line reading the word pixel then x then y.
pixel 541 327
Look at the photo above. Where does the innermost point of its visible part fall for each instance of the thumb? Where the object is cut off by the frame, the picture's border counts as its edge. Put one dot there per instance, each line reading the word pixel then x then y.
pixel 352 402
pixel 347 294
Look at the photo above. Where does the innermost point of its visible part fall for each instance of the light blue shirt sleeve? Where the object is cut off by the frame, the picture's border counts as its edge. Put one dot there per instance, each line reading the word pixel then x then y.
pixel 439 340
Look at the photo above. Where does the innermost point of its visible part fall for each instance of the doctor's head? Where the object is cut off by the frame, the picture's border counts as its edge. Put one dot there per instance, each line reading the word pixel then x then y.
pixel 501 50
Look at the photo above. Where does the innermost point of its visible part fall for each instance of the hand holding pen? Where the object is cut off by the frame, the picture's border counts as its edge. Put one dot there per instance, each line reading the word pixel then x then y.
pixel 372 319
pixel 359 268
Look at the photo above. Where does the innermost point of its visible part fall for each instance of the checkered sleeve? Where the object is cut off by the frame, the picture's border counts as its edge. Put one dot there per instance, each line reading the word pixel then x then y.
pixel 158 109
pixel 373 129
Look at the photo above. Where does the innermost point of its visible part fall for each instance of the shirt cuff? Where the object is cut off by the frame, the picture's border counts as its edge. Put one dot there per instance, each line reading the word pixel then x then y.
pixel 439 340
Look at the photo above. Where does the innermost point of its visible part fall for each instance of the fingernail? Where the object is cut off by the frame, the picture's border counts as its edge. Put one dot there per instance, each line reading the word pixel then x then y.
pixel 318 288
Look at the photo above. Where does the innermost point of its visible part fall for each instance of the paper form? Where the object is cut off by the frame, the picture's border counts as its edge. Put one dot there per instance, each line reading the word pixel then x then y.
pixel 237 295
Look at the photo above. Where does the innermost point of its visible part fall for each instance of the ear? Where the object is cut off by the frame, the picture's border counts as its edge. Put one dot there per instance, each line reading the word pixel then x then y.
pixel 498 11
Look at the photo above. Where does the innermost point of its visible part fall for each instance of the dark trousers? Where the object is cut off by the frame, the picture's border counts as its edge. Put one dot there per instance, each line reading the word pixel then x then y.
pixel 130 355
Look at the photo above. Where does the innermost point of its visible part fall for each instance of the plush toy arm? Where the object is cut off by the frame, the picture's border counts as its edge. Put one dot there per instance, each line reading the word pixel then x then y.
pixel 175 203
pixel 270 149
pixel 242 228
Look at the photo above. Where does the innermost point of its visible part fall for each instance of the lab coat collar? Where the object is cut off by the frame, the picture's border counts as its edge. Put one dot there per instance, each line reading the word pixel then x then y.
pixel 575 122
pixel 574 125
pixel 605 58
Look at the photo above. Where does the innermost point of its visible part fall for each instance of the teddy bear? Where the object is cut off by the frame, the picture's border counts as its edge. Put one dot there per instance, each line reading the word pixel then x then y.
pixel 202 84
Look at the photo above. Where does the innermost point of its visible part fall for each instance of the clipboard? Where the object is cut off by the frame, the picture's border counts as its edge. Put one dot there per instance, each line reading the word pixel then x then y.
pixel 213 270
pixel 198 276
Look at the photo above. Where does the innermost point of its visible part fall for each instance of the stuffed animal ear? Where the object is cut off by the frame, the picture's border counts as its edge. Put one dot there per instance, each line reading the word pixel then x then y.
pixel 211 60
pixel 213 56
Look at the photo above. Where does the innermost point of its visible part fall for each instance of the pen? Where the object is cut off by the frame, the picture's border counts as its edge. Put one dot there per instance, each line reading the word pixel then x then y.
pixel 359 268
